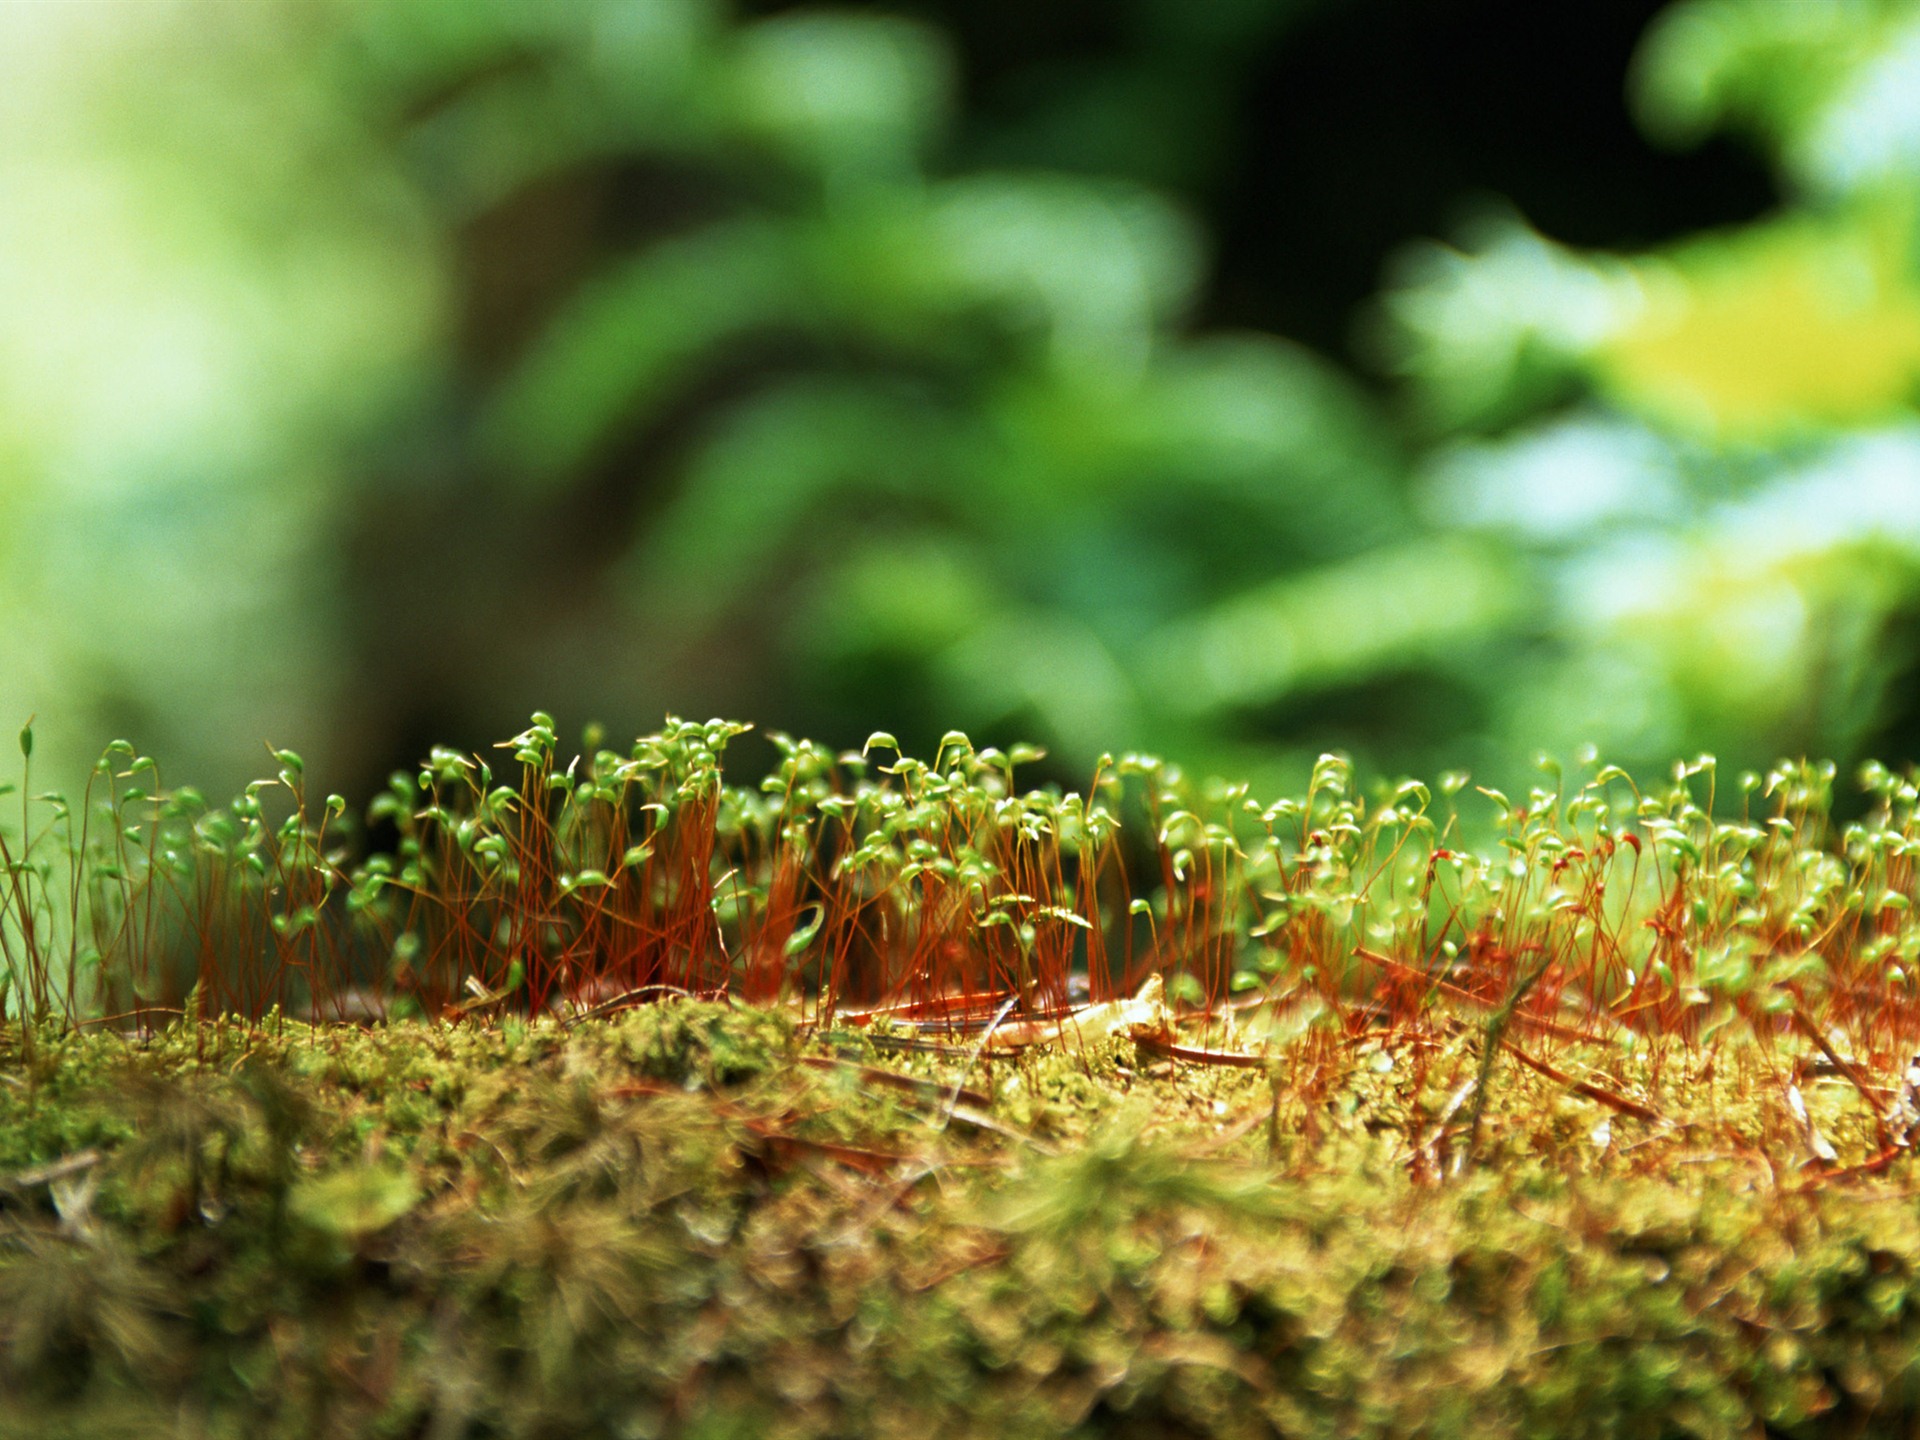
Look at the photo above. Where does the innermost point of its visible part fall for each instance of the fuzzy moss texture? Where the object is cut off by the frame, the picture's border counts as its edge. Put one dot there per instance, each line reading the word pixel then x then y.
pixel 895 1098
pixel 702 1220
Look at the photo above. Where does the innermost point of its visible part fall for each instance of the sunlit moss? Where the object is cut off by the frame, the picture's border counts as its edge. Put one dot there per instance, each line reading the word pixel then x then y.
pixel 1395 1132
pixel 590 1228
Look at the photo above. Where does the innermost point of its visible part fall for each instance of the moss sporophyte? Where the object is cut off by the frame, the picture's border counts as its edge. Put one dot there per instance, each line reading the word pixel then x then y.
pixel 887 1096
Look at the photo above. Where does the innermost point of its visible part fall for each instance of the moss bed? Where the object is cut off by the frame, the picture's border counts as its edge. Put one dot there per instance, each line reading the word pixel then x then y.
pixel 700 1220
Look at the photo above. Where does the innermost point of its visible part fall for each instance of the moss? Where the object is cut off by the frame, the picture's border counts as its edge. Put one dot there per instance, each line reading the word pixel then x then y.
pixel 693 1219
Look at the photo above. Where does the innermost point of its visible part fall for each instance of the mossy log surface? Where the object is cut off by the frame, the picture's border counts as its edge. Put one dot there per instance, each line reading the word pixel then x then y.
pixel 690 1219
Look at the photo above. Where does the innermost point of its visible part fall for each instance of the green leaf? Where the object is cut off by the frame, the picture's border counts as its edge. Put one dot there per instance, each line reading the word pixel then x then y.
pixel 352 1203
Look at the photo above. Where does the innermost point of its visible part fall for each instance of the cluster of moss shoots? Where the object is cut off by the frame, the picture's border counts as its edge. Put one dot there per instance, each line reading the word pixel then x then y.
pixel 1608 935
pixel 888 1097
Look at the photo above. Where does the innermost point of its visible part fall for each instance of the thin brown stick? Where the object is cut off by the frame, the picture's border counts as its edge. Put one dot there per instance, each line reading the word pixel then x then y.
pixel 1586 1087
pixel 1847 1068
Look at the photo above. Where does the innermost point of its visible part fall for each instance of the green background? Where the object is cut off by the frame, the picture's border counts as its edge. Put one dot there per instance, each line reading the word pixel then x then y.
pixel 1444 383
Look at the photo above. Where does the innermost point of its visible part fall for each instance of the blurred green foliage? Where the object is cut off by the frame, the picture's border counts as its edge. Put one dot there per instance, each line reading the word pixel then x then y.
pixel 1708 453
pixel 378 372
